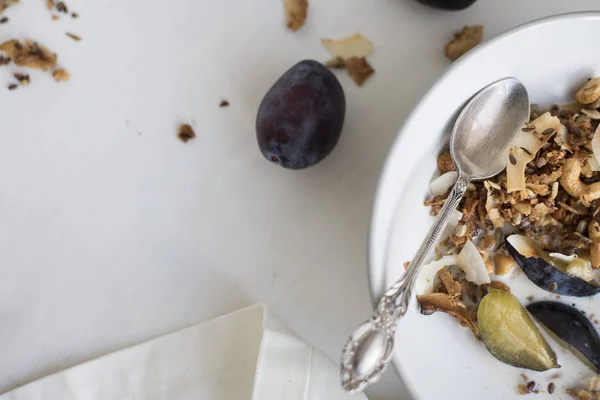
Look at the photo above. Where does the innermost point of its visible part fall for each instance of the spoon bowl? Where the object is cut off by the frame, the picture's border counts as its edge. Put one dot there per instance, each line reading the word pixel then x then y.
pixel 479 145
pixel 480 139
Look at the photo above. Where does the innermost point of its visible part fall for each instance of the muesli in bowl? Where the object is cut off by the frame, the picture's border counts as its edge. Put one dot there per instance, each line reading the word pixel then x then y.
pixel 540 217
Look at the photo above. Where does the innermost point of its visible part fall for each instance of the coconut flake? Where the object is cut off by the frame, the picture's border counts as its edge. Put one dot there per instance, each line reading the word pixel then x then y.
pixel 593 114
pixel 353 46
pixel 442 184
pixel 562 257
pixel 472 264
pixel 524 148
pixel 562 138
pixel 596 145
pixel 424 282
pixel 491 205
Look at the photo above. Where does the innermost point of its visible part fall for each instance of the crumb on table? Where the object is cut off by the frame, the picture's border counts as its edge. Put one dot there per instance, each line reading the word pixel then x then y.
pixel 186 133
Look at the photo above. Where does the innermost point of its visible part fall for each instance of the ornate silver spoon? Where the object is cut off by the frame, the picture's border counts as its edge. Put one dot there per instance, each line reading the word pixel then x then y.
pixel 479 145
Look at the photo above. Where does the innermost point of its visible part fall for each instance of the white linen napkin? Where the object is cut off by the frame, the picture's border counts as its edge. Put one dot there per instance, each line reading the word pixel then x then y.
pixel 242 355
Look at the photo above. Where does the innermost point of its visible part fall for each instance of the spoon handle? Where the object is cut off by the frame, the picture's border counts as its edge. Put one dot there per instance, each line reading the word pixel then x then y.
pixel 369 349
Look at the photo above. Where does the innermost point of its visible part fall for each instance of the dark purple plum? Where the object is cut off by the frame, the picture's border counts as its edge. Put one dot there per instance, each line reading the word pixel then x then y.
pixel 300 119
pixel 544 275
pixel 448 4
pixel 571 326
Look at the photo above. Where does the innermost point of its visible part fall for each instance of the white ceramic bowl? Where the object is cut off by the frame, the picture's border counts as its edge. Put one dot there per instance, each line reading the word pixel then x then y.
pixel 436 357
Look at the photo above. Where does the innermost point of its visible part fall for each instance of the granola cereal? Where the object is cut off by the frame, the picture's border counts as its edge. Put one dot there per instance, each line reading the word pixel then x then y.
pixel 295 11
pixel 29 54
pixel 186 132
pixel 61 75
pixel 464 40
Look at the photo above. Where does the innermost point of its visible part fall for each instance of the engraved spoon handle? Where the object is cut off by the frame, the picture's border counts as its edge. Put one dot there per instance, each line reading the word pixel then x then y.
pixel 369 349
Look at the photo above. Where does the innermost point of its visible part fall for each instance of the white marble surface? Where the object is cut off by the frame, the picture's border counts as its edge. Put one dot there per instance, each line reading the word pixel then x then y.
pixel 112 231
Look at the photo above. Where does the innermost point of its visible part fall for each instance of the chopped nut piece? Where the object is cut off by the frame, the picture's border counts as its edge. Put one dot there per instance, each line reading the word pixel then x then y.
pixel 295 11
pixel 444 162
pixel 336 63
pixel 61 75
pixel 359 70
pixel 589 93
pixel 30 54
pixel 22 78
pixel 465 40
pixel 224 103
pixel 73 36
pixel 503 263
pixel 186 133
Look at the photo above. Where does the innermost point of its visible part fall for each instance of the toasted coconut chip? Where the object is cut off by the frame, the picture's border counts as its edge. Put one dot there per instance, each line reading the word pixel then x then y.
pixel 562 138
pixel 491 205
pixel 472 264
pixel 295 11
pixel 443 302
pixel 525 147
pixel 593 114
pixel 596 148
pixel 424 282
pixel 593 163
pixel 359 69
pixel 336 63
pixel 353 46
pixel 442 184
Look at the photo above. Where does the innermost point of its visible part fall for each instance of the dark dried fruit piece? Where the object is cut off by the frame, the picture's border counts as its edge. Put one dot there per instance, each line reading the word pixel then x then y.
pixel 544 274
pixel 448 4
pixel 510 335
pixel 300 119
pixel 572 327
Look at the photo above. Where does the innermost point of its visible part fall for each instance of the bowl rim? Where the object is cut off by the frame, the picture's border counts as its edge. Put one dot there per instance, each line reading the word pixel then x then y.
pixel 400 140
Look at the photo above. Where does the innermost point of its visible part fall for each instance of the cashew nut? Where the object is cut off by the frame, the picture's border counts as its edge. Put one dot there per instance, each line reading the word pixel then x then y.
pixel 589 93
pixel 572 184
pixel 594 232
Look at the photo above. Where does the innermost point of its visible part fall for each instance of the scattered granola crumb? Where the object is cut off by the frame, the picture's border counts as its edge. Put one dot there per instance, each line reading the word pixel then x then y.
pixel 55 17
pixel 295 11
pixel 74 15
pixel 62 7
pixel 23 79
pixel 224 103
pixel 406 264
pixel 30 54
pixel 50 4
pixel 4 60
pixel 12 86
pixel 531 387
pixel 4 4
pixel 522 389
pixel 3 20
pixel 359 69
pixel 186 133
pixel 73 36
pixel 61 75
pixel 336 63
pixel 525 377
pixel 465 40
